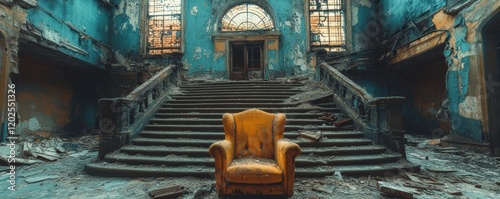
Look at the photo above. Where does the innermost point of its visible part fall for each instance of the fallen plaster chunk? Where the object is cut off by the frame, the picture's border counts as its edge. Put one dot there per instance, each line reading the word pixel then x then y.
pixel 40 178
pixel 77 155
pixel 310 136
pixel 396 190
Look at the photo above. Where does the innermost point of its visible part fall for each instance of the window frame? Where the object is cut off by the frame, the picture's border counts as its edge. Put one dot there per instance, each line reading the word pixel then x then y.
pixel 267 16
pixel 144 23
pixel 346 8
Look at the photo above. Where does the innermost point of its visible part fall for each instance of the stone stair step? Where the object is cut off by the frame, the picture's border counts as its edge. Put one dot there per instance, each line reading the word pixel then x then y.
pixel 238 87
pixel 285 110
pixel 124 170
pixel 184 121
pixel 241 90
pixel 242 93
pixel 206 143
pixel 301 161
pixel 220 128
pixel 220 135
pixel 235 100
pixel 241 105
pixel 218 97
pixel 219 115
pixel 203 151
pixel 225 83
pixel 385 169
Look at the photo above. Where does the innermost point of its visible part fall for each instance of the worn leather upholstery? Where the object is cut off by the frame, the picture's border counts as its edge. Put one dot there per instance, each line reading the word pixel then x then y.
pixel 254 158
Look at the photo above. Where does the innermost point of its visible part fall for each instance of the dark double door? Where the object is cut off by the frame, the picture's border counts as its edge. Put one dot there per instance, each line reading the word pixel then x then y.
pixel 246 60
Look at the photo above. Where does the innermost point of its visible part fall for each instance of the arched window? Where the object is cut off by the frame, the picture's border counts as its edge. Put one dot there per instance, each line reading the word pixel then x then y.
pixel 247 16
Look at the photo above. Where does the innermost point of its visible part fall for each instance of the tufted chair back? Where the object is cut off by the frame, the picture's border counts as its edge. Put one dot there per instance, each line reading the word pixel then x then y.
pixel 253 134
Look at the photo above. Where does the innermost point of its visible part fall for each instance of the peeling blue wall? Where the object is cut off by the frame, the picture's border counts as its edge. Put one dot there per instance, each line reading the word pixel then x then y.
pixel 126 28
pixel 396 14
pixel 458 83
pixel 366 28
pixel 199 48
pixel 290 21
pixel 64 22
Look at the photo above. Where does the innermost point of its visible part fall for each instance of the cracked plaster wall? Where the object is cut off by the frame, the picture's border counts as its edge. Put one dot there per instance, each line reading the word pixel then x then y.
pixel 200 55
pixel 78 28
pixel 52 101
pixel 464 79
pixel 125 24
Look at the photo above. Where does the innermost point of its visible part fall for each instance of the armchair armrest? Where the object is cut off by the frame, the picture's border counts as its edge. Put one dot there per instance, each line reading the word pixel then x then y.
pixel 285 153
pixel 223 153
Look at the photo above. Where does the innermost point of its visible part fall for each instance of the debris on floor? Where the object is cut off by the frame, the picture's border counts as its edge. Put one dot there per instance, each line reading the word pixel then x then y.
pixel 36 149
pixel 395 190
pixel 343 123
pixel 167 193
pixel 40 178
pixel 309 136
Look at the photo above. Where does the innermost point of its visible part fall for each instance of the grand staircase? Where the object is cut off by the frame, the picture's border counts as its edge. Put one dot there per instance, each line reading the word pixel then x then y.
pixel 176 140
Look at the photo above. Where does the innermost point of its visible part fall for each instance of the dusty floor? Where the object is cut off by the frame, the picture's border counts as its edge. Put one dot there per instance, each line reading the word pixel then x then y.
pixel 443 174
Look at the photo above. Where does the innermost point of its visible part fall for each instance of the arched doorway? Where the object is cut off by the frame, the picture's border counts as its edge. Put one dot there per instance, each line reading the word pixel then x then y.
pixel 491 57
pixel 247 28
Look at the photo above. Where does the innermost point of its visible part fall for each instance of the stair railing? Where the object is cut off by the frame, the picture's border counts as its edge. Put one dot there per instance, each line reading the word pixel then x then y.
pixel 123 118
pixel 380 118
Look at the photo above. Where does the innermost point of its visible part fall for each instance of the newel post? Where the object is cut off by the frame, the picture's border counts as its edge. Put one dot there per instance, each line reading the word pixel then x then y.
pixel 389 120
pixel 113 124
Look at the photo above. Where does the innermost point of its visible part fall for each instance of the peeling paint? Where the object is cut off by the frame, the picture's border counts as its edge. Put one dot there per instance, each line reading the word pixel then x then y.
pixel 208 30
pixel 272 45
pixel 194 10
pixel 297 21
pixel 365 3
pixel 130 9
pixel 220 46
pixel 355 16
pixel 469 108
pixel 197 53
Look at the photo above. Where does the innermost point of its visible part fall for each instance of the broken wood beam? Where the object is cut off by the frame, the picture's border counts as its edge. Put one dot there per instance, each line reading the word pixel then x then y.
pixel 166 193
pixel 342 123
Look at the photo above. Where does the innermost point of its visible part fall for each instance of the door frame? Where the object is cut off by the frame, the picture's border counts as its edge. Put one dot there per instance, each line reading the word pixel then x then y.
pixel 270 49
pixel 490 56
pixel 246 59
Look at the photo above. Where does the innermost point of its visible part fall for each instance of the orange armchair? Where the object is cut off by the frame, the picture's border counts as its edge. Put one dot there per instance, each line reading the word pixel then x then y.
pixel 254 158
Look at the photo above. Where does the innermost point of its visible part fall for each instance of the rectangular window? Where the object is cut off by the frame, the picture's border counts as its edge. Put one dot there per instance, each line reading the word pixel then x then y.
pixel 327 21
pixel 164 26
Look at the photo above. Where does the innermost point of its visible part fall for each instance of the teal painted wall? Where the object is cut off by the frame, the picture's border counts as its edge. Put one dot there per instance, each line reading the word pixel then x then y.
pixel 201 18
pixel 83 24
pixel 464 78
pixel 396 15
pixel 126 30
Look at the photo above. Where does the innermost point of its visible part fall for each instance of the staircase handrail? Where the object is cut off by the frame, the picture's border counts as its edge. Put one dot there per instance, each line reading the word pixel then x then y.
pixel 122 118
pixel 380 118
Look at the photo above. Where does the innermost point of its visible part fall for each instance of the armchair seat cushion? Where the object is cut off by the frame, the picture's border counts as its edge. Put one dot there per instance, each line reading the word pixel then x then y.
pixel 250 170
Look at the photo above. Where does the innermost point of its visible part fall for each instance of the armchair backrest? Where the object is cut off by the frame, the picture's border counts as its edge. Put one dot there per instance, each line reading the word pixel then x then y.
pixel 254 132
